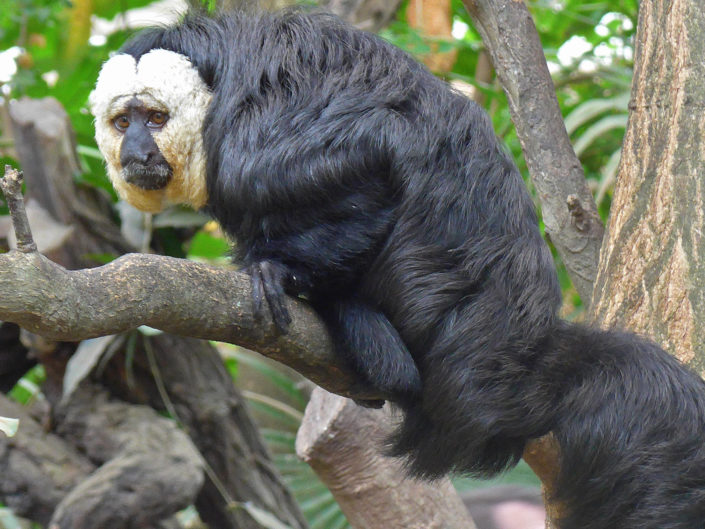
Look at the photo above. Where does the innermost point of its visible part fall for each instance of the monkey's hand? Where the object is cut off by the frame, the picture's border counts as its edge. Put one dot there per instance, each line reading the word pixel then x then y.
pixel 268 280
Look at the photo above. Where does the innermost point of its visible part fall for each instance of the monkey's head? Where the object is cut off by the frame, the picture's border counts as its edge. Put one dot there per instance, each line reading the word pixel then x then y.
pixel 149 116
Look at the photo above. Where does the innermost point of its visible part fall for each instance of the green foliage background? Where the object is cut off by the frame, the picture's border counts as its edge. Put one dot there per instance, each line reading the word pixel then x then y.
pixel 50 40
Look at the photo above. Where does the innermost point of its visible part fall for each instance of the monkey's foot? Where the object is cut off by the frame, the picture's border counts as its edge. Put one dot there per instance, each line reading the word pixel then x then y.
pixel 268 279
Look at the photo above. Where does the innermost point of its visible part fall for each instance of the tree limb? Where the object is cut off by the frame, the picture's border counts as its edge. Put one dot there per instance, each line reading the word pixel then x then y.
pixel 174 295
pixel 341 443
pixel 510 36
pixel 192 376
pixel 11 186
pixel 568 208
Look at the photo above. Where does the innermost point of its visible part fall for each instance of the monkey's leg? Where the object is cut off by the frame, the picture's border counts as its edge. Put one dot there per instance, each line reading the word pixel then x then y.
pixel 373 348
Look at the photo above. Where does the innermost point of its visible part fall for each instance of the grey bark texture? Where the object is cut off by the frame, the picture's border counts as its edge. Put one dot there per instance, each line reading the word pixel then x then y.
pixel 568 208
pixel 370 15
pixel 649 277
pixel 341 441
pixel 149 468
pixel 652 267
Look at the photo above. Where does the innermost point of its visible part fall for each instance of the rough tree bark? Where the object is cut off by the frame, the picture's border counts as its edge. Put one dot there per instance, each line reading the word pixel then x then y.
pixel 342 441
pixel 652 267
pixel 150 469
pixel 650 273
pixel 569 211
pixel 194 378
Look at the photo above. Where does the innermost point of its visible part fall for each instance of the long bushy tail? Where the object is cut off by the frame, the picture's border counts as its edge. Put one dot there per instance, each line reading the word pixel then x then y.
pixel 631 430
pixel 628 417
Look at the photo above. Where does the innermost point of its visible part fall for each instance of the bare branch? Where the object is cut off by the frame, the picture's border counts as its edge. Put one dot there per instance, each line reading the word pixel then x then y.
pixel 175 295
pixel 510 35
pixel 11 186
pixel 341 443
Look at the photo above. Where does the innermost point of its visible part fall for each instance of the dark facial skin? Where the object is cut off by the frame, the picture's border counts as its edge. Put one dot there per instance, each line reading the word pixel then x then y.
pixel 142 162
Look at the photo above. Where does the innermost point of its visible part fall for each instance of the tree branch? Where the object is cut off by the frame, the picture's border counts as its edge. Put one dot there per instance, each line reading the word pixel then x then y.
pixel 568 208
pixel 553 165
pixel 341 443
pixel 11 186
pixel 174 295
pixel 192 376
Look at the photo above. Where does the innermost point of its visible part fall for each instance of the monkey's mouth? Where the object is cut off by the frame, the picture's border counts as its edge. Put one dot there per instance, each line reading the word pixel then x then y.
pixel 148 177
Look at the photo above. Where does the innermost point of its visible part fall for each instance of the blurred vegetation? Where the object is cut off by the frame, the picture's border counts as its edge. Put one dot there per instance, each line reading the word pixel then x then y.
pixel 53 48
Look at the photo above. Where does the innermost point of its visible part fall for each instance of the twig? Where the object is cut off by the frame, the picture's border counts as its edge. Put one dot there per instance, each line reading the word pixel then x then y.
pixel 11 186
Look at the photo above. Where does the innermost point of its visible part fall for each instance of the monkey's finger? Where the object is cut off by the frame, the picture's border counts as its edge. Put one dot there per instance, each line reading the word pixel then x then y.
pixel 272 279
pixel 257 290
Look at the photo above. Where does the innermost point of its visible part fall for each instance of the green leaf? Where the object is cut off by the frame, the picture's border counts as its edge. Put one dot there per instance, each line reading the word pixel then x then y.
pixel 328 516
pixel 101 258
pixel 593 108
pixel 206 246
pixel 28 386
pixel 598 129
pixel 282 381
pixel 609 175
pixel 262 517
pixel 279 440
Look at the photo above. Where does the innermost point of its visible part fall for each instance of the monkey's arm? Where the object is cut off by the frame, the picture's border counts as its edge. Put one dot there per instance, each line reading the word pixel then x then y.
pixel 368 342
pixel 314 199
pixel 311 206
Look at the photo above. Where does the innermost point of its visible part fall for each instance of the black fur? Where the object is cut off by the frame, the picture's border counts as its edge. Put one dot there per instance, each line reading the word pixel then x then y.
pixel 346 172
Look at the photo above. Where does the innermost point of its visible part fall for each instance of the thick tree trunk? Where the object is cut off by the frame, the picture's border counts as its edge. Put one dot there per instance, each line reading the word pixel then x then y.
pixel 651 276
pixel 652 267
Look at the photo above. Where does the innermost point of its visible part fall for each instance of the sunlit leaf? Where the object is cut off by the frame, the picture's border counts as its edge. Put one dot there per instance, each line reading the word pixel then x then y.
pixel 593 108
pixel 598 129
pixel 264 518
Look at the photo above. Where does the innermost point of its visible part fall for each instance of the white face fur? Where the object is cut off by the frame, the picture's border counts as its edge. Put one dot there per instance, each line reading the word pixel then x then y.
pixel 166 82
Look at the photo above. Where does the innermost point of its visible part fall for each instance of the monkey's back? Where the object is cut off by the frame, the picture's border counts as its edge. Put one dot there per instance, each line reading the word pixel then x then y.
pixel 336 160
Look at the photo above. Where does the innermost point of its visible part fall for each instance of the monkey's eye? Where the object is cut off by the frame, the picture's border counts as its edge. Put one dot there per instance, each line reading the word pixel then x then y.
pixel 157 119
pixel 121 122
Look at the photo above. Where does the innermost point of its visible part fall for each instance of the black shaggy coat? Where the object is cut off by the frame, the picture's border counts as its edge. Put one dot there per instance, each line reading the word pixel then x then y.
pixel 347 172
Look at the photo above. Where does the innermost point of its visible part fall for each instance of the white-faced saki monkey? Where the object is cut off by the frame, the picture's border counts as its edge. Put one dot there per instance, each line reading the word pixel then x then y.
pixel 346 173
